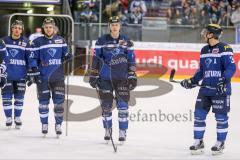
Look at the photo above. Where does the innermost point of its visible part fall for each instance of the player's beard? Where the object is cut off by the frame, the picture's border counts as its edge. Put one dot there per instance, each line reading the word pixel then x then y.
pixel 49 36
pixel 16 36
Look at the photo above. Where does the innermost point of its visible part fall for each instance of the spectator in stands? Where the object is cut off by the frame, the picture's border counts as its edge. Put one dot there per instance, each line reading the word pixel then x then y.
pixel 87 15
pixel 136 16
pixel 223 7
pixel 215 13
pixel 198 8
pixel 175 11
pixel 112 9
pixel 187 13
pixel 204 19
pixel 124 6
pixel 235 18
pixel 138 3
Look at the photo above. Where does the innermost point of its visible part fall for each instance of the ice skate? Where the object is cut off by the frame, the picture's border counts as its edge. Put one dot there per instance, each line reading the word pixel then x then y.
pixel 9 122
pixel 107 136
pixel 218 148
pixel 122 136
pixel 58 130
pixel 18 122
pixel 197 148
pixel 44 130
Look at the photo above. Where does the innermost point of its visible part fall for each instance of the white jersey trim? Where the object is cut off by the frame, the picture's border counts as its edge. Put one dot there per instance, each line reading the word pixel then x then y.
pixel 15 46
pixel 209 55
pixel 51 45
pixel 4 49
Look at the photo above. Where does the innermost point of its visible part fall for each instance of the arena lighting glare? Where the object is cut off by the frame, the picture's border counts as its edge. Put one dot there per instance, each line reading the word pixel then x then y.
pixel 27 4
pixel 30 11
pixel 49 9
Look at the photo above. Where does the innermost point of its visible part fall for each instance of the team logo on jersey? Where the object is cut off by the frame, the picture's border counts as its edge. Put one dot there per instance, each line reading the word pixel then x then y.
pixel 13 52
pixel 116 51
pixel 208 62
pixel 58 41
pixel 31 55
pixel 52 51
pixel 215 50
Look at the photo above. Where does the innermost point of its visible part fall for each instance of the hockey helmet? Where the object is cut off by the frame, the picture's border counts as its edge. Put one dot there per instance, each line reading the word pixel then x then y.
pixel 215 29
pixel 48 20
pixel 114 19
pixel 17 22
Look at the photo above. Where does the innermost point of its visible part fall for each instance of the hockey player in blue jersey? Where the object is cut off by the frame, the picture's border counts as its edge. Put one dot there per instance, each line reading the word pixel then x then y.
pixel 113 69
pixel 50 52
pixel 16 60
pixel 217 67
pixel 3 74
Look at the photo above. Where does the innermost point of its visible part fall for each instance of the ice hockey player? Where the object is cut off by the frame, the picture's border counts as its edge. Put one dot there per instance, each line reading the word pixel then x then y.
pixel 217 67
pixel 113 69
pixel 3 73
pixel 15 58
pixel 50 52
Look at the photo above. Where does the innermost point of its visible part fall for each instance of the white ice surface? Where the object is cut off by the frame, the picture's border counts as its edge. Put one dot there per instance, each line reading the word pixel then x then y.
pixel 145 140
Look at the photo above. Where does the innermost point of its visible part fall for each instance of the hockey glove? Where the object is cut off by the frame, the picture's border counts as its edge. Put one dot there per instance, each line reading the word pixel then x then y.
pixel 94 78
pixel 3 75
pixel 33 76
pixel 132 80
pixel 221 86
pixel 188 83
pixel 68 58
pixel 93 81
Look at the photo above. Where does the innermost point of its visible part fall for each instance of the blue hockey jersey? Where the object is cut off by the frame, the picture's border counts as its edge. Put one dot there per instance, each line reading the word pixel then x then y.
pixel 16 57
pixel 215 62
pixel 2 50
pixel 113 58
pixel 48 55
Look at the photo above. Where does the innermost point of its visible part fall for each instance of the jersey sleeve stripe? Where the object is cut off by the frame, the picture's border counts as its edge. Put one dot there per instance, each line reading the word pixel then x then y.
pixel 15 46
pixel 3 49
pixel 212 55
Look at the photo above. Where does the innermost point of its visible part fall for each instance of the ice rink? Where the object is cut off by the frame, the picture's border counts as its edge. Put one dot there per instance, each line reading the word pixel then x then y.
pixel 161 124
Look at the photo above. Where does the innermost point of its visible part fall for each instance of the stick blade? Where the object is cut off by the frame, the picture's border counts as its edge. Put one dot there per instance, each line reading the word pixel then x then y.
pixel 172 73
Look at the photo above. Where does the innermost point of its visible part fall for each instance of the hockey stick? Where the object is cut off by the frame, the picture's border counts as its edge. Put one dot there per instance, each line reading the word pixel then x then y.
pixel 172 73
pixel 105 118
pixel 68 63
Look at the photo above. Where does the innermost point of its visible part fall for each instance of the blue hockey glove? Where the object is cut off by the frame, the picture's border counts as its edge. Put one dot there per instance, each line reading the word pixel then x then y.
pixel 132 80
pixel 188 83
pixel 33 76
pixel 221 86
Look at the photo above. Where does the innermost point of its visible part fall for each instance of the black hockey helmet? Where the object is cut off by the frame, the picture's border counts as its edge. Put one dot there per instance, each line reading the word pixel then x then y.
pixel 48 20
pixel 17 22
pixel 215 29
pixel 114 19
